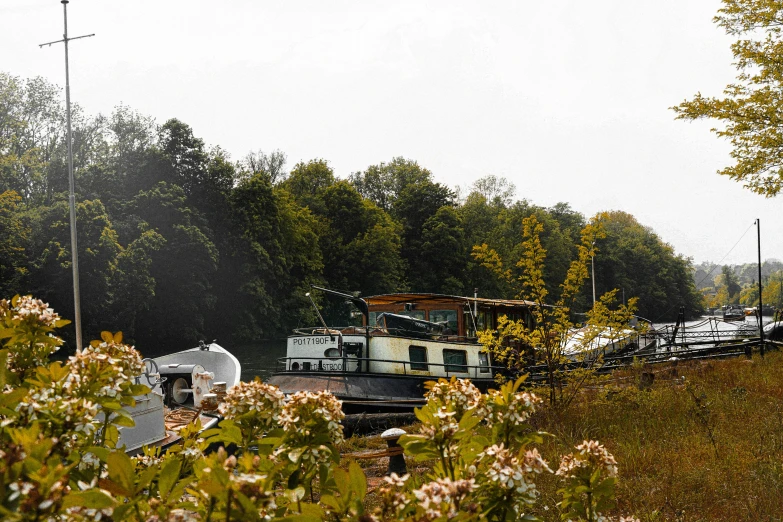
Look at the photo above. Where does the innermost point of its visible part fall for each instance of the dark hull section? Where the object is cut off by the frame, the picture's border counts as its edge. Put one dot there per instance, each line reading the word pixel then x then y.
pixel 364 392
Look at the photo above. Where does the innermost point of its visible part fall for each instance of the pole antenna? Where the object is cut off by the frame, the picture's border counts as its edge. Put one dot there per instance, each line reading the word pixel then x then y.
pixel 71 184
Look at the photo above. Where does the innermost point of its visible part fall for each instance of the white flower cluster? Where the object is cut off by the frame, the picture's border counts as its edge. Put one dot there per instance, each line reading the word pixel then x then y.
pixel 30 498
pixel 506 470
pixel 590 456
pixel 29 309
pixel 145 461
pixel 392 491
pixel 20 489
pixel 76 413
pixel 460 394
pixel 32 314
pixel 103 369
pixel 182 515
pixel 322 406
pixel 442 495
pixel 445 428
pixel 517 412
pixel 265 400
pixel 83 513
pixel 251 485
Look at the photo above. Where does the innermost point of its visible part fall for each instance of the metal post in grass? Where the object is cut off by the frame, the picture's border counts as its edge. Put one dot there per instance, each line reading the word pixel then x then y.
pixel 396 456
pixel 761 322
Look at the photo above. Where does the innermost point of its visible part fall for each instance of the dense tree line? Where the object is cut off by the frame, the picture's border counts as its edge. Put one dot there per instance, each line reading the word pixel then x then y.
pixel 178 242
pixel 738 284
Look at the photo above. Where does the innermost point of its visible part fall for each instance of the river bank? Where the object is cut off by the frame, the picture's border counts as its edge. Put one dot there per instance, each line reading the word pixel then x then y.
pixel 703 443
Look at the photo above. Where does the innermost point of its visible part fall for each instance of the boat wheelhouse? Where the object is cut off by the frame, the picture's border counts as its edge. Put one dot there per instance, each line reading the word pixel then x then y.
pixel 405 340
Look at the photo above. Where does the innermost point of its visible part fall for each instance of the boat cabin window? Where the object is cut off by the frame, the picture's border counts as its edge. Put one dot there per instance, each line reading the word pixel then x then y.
pixel 467 318
pixel 483 362
pixel 456 361
pixel 439 316
pixel 418 357
pixel 416 314
pixel 484 320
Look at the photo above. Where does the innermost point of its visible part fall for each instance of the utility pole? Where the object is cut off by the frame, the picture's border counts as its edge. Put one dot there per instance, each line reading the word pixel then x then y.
pixel 761 322
pixel 592 270
pixel 77 314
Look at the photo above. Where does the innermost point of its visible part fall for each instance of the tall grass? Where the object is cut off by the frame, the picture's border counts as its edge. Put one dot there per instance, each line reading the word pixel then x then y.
pixel 705 442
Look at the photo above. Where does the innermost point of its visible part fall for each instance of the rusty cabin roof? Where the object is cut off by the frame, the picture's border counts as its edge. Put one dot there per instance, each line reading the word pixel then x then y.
pixel 398 299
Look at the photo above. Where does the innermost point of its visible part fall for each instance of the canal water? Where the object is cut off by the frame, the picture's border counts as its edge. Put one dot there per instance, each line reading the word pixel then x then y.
pixel 258 359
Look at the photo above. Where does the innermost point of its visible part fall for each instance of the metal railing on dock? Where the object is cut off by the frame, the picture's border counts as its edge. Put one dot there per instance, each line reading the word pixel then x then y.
pixel 408 367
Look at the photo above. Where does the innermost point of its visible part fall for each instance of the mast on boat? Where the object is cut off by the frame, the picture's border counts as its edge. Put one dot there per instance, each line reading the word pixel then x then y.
pixel 71 183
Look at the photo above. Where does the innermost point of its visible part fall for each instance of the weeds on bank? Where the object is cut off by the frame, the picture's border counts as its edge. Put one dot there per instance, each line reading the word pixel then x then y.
pixel 704 442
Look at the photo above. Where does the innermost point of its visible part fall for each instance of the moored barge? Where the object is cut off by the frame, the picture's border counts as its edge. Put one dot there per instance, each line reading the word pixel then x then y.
pixel 405 340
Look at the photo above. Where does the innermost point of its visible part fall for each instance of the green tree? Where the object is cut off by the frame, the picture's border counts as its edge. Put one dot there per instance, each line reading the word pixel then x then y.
pixel 479 220
pixel 552 323
pixel 31 132
pixel 361 244
pixel 499 225
pixel 773 290
pixel 382 184
pixel 127 161
pixel 186 153
pixel 271 165
pixel 133 284
pixel 307 182
pixel 407 192
pixel 182 269
pixel 638 263
pixel 498 190
pixel 14 239
pixel 50 267
pixel 274 256
pixel 749 109
pixel 413 207
pixel 443 253
pixel 730 283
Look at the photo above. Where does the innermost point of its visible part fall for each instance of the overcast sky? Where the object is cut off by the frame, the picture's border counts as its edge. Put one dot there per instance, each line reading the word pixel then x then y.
pixel 568 100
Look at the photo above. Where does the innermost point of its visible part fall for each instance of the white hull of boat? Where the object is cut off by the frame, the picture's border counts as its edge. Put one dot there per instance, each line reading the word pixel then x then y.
pixel 149 412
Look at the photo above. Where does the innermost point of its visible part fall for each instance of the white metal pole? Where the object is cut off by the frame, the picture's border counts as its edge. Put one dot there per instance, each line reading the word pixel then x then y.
pixel 71 182
pixel 77 313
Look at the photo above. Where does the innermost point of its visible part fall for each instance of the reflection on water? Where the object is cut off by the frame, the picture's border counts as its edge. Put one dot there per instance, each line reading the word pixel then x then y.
pixel 258 359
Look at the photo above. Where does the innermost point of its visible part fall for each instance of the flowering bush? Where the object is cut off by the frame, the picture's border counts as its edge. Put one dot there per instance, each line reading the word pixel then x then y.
pixel 254 407
pixel 55 419
pixel 590 475
pixel 26 325
pixel 485 466
pixel 59 458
